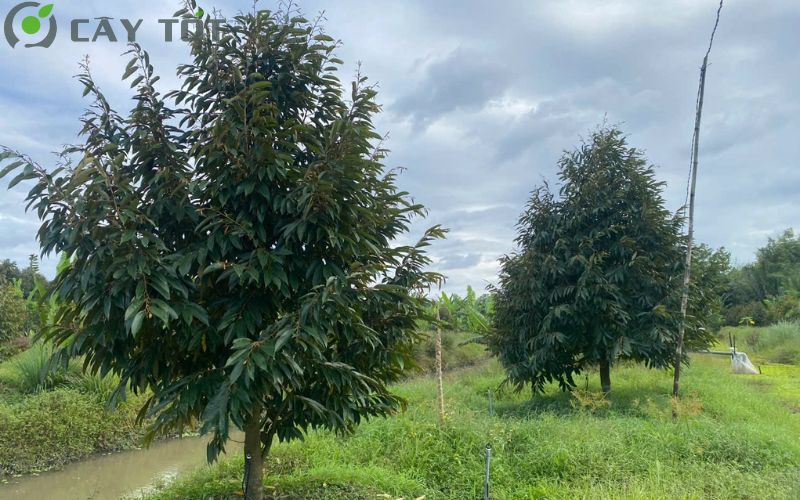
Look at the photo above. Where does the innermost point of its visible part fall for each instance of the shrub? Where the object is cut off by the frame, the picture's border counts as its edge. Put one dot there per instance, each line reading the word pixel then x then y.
pixel 52 428
pixel 785 307
pixel 754 310
pixel 14 346
pixel 13 311
pixel 456 353
pixel 95 384
pixel 28 370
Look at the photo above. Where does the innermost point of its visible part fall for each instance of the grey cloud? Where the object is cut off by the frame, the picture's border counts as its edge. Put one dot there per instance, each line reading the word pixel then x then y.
pixel 456 261
pixel 481 100
pixel 462 80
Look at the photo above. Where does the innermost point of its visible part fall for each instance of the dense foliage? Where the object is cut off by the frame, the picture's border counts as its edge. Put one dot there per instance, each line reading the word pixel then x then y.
pixel 708 287
pixel 470 313
pixel 596 276
pixel 768 290
pixel 20 308
pixel 235 256
pixel 27 277
pixel 13 311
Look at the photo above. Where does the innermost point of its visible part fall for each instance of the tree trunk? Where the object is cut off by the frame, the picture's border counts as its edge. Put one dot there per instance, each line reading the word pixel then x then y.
pixel 605 376
pixel 254 459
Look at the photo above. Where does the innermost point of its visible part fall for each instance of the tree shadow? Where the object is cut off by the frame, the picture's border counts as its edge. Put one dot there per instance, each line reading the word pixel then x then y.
pixel 643 401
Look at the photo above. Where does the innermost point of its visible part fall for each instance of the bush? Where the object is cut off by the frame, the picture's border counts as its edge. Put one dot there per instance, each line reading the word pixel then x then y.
pixel 785 307
pixel 455 353
pixel 14 346
pixel 51 428
pixel 755 310
pixel 95 384
pixel 13 312
pixel 26 371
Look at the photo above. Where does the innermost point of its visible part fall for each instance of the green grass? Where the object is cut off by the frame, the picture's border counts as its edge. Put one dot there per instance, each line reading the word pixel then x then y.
pixel 46 422
pixel 51 428
pixel 736 437
pixel 779 343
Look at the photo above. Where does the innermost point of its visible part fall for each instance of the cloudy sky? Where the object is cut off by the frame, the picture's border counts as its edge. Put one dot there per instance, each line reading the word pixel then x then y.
pixel 480 99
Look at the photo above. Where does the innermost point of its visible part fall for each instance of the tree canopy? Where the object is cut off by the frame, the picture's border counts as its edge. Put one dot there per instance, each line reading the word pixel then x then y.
pixel 231 244
pixel 27 278
pixel 767 290
pixel 596 275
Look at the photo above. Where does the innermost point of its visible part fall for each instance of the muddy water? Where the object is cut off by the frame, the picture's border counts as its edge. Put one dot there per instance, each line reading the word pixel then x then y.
pixel 128 473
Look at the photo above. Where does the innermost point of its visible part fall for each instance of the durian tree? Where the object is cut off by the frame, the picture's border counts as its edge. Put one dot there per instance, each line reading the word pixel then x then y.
pixel 232 245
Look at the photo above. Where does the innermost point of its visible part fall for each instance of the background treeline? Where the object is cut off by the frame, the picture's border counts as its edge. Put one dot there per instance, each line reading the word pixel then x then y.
pixel 20 311
pixel 761 293
pixel 766 291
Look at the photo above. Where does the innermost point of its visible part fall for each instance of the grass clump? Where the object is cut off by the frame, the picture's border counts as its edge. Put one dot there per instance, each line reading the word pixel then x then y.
pixel 26 371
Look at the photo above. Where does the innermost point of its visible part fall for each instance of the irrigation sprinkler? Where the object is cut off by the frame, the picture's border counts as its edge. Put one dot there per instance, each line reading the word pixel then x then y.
pixel 488 467
pixel 491 403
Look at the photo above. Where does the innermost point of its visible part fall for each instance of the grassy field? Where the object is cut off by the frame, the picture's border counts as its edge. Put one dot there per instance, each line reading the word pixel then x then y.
pixel 45 424
pixel 736 437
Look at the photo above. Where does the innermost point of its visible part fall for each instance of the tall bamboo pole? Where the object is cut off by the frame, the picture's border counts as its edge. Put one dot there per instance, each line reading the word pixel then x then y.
pixel 439 381
pixel 690 231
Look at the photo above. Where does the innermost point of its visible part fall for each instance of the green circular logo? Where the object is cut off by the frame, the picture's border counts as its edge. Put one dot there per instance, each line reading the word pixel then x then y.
pixel 32 23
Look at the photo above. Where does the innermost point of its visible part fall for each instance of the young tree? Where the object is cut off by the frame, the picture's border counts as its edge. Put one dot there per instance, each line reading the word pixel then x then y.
pixel 596 276
pixel 234 257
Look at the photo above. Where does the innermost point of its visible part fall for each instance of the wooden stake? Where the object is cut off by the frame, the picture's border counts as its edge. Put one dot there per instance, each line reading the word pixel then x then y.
pixel 690 233
pixel 439 381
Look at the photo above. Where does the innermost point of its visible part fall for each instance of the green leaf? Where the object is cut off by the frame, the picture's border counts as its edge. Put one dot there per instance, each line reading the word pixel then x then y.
pixel 11 167
pixel 261 85
pixel 45 10
pixel 283 339
pixel 136 325
pixel 21 177
pixel 129 71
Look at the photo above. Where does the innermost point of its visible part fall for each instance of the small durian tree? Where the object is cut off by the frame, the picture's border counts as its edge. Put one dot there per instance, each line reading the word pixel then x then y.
pixel 231 244
pixel 597 274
